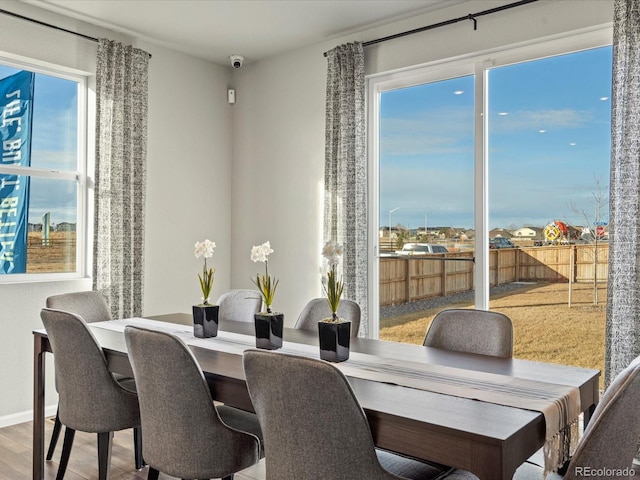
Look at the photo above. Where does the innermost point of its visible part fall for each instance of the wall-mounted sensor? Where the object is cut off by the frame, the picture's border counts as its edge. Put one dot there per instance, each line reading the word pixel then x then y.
pixel 231 95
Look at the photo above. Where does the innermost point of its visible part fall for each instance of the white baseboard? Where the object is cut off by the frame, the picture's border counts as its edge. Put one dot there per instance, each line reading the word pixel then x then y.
pixel 26 416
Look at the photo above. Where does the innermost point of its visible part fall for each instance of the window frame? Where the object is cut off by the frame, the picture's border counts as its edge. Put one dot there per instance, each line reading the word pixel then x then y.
pixel 79 175
pixel 479 64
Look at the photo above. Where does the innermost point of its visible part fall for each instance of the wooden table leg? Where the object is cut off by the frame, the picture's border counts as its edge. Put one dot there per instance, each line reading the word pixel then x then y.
pixel 586 416
pixel 39 351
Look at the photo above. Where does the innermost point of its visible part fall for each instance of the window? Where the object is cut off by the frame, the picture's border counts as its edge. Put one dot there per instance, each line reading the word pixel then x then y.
pixel 43 187
pixel 479 155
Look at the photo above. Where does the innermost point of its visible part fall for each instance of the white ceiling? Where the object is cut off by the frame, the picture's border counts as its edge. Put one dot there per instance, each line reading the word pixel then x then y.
pixel 256 29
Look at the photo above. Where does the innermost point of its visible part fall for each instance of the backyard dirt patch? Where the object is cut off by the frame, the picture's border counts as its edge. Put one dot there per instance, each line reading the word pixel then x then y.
pixel 59 255
pixel 546 329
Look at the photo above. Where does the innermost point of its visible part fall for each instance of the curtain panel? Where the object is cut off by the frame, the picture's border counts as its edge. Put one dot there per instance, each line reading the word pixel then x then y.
pixel 345 177
pixel 120 176
pixel 622 334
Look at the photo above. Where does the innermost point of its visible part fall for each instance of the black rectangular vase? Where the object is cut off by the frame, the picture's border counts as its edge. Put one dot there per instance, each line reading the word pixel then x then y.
pixel 334 340
pixel 205 320
pixel 269 327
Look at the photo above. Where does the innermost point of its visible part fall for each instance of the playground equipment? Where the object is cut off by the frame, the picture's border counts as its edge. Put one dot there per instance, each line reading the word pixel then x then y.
pixel 555 231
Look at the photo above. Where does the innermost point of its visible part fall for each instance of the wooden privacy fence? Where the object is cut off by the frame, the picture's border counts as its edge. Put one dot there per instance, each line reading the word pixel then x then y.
pixel 411 278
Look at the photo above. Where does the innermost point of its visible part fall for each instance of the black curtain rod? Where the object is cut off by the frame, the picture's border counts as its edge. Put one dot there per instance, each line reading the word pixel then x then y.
pixel 55 27
pixel 471 17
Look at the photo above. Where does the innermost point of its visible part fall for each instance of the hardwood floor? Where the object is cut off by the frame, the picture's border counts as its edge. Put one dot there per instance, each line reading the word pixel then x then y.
pixel 15 457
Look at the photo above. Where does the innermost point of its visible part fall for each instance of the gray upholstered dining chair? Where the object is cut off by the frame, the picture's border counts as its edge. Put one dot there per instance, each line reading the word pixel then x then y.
pixel 318 309
pixel 185 434
pixel 471 331
pixel 92 307
pixel 610 439
pixel 89 305
pixel 239 305
pixel 90 399
pixel 308 435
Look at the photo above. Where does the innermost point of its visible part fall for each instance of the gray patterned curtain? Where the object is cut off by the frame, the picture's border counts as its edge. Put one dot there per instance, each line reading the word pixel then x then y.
pixel 121 156
pixel 622 343
pixel 345 174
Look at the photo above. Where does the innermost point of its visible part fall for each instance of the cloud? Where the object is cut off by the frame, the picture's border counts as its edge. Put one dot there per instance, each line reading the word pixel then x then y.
pixel 56 196
pixel 444 195
pixel 434 132
pixel 451 130
pixel 55 128
pixel 54 159
pixel 534 120
pixel 518 195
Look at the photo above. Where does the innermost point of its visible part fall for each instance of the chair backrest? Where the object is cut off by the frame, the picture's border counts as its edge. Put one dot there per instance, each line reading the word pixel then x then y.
pixel 471 331
pixel 89 305
pixel 318 309
pixel 183 434
pixel 610 440
pixel 90 400
pixel 239 305
pixel 308 435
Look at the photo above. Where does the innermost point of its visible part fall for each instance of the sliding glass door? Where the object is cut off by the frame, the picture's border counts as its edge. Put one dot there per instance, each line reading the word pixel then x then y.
pixel 426 203
pixel 489 190
pixel 549 127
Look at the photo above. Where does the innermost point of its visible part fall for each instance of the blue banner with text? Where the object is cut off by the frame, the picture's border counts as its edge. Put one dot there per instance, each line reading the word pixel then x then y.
pixel 16 107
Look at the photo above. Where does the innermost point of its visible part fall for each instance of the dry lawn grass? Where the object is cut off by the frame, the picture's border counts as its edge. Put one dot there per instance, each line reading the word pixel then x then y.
pixel 58 256
pixel 545 328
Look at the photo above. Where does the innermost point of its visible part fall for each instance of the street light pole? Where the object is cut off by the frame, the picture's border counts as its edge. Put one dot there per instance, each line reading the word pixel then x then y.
pixel 425 224
pixel 390 212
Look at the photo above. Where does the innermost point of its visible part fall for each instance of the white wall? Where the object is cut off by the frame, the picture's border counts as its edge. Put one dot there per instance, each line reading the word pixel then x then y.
pixel 278 147
pixel 189 137
pixel 188 179
pixel 278 128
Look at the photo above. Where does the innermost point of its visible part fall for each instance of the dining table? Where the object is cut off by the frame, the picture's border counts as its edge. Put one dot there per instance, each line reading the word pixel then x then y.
pixel 408 417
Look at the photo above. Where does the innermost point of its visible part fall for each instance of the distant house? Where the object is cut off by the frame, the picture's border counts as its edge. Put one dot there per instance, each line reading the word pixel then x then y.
pixel 574 232
pixel 500 232
pixel 393 232
pixel 529 233
pixel 467 235
pixel 66 227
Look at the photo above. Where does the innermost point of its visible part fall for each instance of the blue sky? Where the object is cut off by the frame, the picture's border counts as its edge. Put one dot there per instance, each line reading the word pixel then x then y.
pixel 54 146
pixel 549 145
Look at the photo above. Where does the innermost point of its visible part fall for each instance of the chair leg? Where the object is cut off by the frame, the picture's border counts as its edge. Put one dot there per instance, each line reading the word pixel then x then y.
pixel 69 434
pixel 153 474
pixel 57 426
pixel 137 448
pixel 104 454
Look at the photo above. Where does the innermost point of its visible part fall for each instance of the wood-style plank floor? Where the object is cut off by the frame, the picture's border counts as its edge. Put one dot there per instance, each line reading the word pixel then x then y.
pixel 15 457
